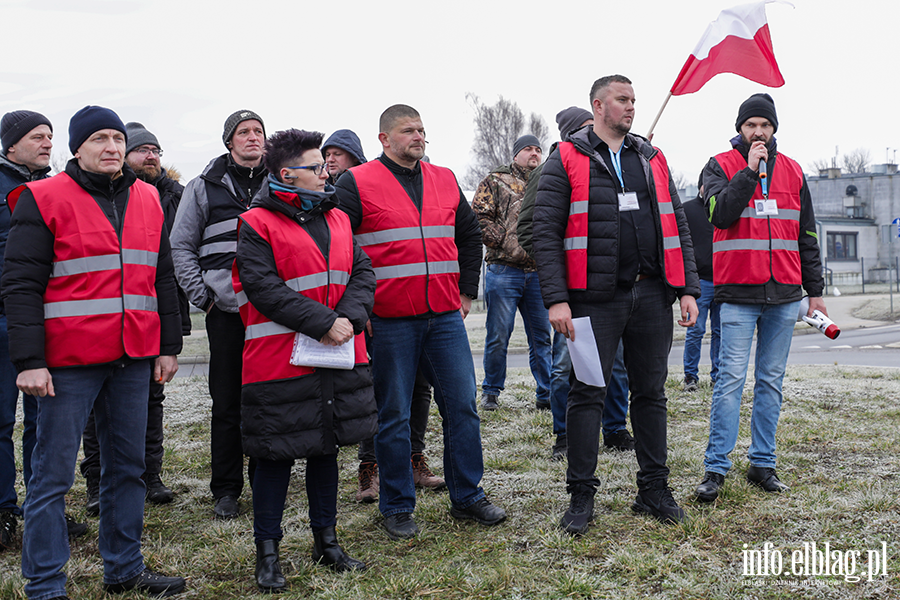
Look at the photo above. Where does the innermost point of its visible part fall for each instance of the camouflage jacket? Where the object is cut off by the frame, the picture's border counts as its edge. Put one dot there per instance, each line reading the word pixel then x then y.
pixel 496 204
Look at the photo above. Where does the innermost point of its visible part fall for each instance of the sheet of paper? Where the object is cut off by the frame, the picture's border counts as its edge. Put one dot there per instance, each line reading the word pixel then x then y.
pixel 585 358
pixel 313 353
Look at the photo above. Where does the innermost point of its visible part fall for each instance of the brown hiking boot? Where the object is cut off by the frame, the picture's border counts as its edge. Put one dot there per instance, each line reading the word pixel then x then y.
pixel 368 483
pixel 422 475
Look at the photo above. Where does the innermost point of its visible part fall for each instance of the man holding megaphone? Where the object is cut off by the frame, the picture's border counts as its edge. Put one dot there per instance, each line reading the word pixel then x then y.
pixel 765 253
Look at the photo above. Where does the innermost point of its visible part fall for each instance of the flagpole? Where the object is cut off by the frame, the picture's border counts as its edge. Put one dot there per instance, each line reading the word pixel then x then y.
pixel 658 115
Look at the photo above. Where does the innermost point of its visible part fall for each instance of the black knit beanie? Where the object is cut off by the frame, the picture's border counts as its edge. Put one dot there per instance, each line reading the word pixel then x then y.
pixel 139 136
pixel 235 119
pixel 89 120
pixel 571 119
pixel 17 123
pixel 525 141
pixel 757 105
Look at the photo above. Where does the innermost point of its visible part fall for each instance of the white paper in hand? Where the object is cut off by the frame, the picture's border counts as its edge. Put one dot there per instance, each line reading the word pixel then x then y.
pixel 585 358
pixel 313 353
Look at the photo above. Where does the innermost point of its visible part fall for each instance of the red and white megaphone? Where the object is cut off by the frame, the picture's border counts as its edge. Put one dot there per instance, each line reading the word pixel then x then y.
pixel 818 320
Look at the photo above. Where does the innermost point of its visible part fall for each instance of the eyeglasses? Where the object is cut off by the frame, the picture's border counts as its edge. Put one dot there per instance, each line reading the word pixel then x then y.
pixel 316 168
pixel 145 151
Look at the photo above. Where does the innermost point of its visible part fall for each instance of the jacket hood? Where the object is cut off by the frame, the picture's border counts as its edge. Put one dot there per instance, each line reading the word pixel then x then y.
pixel 347 141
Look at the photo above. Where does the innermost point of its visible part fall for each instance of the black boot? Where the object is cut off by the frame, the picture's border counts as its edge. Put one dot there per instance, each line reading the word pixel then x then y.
pixel 327 551
pixel 268 569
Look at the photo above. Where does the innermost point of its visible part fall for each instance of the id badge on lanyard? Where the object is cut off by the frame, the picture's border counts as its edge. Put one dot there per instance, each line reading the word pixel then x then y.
pixel 766 208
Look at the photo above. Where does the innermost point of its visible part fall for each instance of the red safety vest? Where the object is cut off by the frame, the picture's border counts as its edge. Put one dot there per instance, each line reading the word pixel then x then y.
pixel 304 269
pixel 756 248
pixel 100 302
pixel 575 240
pixel 413 253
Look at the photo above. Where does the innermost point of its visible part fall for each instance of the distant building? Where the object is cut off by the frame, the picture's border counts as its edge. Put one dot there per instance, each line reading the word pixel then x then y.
pixel 853 215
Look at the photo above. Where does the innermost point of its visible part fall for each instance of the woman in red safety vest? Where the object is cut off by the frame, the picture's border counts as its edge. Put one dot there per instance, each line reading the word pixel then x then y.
pixel 298 273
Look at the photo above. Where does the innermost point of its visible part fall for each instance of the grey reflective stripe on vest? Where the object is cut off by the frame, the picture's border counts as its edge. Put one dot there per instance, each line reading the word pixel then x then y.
pixel 220 228
pixel 575 243
pixel 414 269
pixel 87 264
pixel 401 234
pixel 103 262
pixel 784 214
pixel 81 308
pixel 139 257
pixel 578 208
pixel 671 242
pixel 264 330
pixel 724 245
pixel 218 248
pixel 666 208
pixel 102 306
pixel 307 282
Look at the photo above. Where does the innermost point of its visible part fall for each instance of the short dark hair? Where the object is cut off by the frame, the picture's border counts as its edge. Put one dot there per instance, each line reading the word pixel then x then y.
pixel 394 113
pixel 601 84
pixel 283 147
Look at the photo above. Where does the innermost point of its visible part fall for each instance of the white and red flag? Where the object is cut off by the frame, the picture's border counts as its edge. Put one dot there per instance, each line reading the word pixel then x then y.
pixel 736 42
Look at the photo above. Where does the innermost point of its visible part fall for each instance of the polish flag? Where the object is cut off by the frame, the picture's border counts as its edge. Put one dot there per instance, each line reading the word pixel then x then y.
pixel 737 42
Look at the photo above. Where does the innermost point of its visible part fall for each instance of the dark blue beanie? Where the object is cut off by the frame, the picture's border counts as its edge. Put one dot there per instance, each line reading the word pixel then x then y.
pixel 89 120
pixel 524 142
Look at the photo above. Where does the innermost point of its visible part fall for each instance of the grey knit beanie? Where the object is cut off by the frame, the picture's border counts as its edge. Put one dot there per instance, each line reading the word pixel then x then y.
pixel 235 119
pixel 139 136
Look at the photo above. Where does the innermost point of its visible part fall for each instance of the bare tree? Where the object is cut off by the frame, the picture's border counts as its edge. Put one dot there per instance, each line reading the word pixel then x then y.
pixel 497 128
pixel 680 179
pixel 856 161
pixel 58 159
pixel 820 164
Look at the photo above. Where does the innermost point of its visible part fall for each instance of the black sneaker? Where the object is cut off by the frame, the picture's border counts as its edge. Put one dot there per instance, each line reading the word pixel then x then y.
pixel 227 508
pixel 401 526
pixel 93 496
pixel 576 519
pixel 691 383
pixel 75 528
pixel 157 492
pixel 481 512
pixel 765 478
pixel 542 404
pixel 656 500
pixel 8 525
pixel 489 402
pixel 149 582
pixel 708 490
pixel 619 440
pixel 560 448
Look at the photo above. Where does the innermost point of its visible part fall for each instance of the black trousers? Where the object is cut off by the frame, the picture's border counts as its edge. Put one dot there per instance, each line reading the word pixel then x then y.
pixel 153 454
pixel 642 319
pixel 270 485
pixel 226 345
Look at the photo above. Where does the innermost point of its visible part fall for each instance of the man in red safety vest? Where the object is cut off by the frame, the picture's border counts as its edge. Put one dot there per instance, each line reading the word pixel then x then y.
pixel 89 290
pixel 612 245
pixel 765 253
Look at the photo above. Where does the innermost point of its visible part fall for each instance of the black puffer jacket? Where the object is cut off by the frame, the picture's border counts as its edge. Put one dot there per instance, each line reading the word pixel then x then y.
pixel 314 414
pixel 551 214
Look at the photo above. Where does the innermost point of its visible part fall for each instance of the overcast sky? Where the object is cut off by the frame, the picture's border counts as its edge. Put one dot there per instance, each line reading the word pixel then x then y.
pixel 182 67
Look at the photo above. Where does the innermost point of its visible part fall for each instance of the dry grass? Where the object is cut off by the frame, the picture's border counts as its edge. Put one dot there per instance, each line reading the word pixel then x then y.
pixel 838 437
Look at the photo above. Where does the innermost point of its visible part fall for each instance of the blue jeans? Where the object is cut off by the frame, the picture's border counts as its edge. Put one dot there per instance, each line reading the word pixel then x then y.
pixel 9 396
pixel 119 397
pixel 439 347
pixel 559 382
pixel 506 289
pixel 774 325
pixel 642 319
pixel 693 337
pixel 615 408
